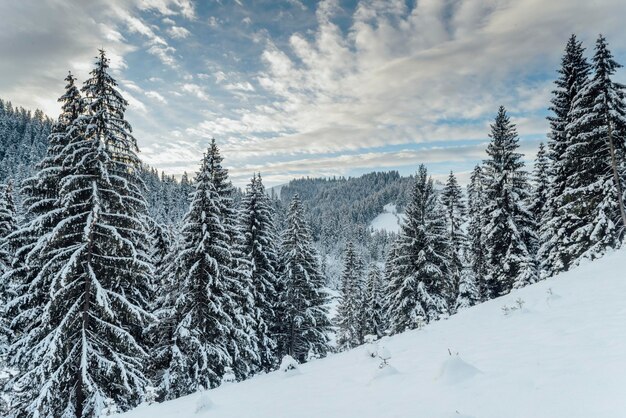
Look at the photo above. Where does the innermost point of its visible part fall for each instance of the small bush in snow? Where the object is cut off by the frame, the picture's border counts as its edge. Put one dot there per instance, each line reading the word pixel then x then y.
pixel 384 355
pixel 519 304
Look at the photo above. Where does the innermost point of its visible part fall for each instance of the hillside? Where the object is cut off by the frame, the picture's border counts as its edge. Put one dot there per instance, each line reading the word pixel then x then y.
pixel 561 355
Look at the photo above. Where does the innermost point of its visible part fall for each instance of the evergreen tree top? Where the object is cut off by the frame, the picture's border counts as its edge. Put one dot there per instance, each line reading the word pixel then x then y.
pixel 504 142
pixel 603 62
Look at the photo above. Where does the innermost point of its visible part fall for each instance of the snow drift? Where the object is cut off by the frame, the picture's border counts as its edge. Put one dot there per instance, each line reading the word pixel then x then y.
pixel 562 354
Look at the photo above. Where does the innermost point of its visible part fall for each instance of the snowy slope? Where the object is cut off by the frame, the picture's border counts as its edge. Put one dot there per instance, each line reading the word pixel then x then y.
pixel 388 221
pixel 562 355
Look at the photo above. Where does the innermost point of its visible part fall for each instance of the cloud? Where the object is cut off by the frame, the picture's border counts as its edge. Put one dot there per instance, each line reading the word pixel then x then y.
pixel 178 32
pixel 400 74
pixel 241 86
pixel 195 90
pixel 156 96
pixel 355 84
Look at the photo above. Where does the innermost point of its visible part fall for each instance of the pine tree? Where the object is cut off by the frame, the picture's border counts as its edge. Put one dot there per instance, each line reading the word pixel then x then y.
pixel 243 344
pixel 199 353
pixel 417 286
pixel 469 294
pixel 41 212
pixel 88 351
pixel 161 333
pixel 260 247
pixel 477 253
pixel 8 225
pixel 594 193
pixel 541 185
pixel 509 228
pixel 455 211
pixel 373 304
pixel 303 302
pixel 558 222
pixel 349 313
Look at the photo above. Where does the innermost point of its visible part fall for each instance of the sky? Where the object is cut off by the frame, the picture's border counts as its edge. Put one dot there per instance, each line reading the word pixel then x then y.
pixel 291 88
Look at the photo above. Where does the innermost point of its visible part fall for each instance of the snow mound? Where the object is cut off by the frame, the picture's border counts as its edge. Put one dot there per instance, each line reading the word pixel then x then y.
pixel 385 371
pixel 289 366
pixel 455 370
pixel 204 403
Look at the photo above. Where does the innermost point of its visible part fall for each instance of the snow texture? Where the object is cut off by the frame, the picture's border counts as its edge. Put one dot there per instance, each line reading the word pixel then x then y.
pixel 564 358
pixel 389 220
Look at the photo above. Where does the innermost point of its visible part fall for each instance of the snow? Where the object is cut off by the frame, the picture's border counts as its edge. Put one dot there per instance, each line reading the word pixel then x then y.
pixel 561 355
pixel 389 220
pixel 289 366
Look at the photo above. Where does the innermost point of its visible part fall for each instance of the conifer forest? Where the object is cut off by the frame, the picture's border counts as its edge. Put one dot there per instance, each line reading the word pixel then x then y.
pixel 123 285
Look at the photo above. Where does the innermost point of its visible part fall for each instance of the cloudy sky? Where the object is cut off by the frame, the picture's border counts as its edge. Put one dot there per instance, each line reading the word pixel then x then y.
pixel 293 88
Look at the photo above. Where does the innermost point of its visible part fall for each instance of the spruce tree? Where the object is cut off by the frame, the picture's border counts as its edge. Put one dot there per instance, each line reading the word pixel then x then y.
pixel 509 229
pixel 469 294
pixel 260 247
pixel 41 212
pixel 160 334
pixel 350 310
pixel 417 286
pixel 476 251
pixel 373 304
pixel 594 194
pixel 541 185
pixel 303 302
pixel 243 344
pixel 559 221
pixel 199 351
pixel 87 352
pixel 455 212
pixel 8 225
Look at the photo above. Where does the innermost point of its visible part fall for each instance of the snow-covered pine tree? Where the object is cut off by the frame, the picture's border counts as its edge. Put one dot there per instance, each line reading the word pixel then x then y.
pixel 260 247
pixel 40 205
pixel 161 244
pixel 417 284
pixel 541 185
pixel 559 222
pixel 243 344
pixel 594 194
pixel 303 302
pixel 8 225
pixel 199 350
pixel 469 294
pixel 160 334
pixel 509 230
pixel 373 304
pixel 476 251
pixel 454 210
pixel 350 310
pixel 87 351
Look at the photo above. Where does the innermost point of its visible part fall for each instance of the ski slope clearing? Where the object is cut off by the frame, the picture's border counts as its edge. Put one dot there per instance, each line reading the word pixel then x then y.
pixel 554 349
pixel 388 221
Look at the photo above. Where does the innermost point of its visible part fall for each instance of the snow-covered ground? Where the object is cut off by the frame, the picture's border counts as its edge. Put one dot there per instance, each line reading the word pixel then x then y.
pixel 388 221
pixel 561 355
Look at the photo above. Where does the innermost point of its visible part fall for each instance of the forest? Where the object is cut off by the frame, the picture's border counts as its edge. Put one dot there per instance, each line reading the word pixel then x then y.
pixel 122 285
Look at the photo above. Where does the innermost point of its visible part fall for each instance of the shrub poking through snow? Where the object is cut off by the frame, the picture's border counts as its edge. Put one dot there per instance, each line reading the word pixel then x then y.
pixel 519 304
pixel 384 355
